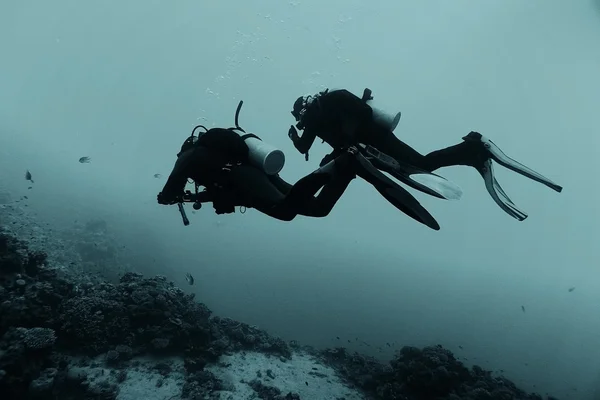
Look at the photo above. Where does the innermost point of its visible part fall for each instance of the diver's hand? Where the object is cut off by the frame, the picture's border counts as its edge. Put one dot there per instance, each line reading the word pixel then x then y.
pixel 165 200
pixel 293 133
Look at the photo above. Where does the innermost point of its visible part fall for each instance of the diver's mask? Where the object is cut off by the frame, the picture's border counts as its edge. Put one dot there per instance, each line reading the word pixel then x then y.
pixel 300 106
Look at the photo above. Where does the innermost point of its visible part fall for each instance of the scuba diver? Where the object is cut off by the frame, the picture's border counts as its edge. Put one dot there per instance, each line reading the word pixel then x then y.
pixel 239 169
pixel 341 119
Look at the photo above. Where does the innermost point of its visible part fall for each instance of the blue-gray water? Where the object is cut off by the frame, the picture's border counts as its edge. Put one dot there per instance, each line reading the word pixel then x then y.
pixel 124 83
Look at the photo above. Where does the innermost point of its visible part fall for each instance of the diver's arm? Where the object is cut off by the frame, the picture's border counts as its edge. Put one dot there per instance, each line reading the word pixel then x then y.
pixel 302 143
pixel 175 185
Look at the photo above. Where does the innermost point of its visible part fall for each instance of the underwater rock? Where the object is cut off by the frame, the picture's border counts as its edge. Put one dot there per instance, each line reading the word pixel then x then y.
pixel 34 338
pixel 199 384
pixel 266 392
pixel 236 336
pixel 24 353
pixel 429 373
pixel 48 320
pixel 42 386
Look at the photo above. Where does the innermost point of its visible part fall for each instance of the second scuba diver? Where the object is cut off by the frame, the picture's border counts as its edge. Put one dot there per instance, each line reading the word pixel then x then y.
pixel 343 119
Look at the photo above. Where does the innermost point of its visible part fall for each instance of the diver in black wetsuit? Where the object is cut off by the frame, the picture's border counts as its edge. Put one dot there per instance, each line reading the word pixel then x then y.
pixel 218 160
pixel 340 118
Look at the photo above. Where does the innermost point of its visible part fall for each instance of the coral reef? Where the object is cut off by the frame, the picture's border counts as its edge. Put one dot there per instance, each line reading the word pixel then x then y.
pixel 69 337
pixel 429 373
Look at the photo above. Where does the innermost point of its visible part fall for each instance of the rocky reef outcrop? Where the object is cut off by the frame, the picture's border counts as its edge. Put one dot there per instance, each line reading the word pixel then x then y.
pixel 68 337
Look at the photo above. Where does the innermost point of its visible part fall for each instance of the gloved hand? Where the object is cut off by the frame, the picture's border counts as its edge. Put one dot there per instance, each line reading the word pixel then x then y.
pixel 293 133
pixel 165 200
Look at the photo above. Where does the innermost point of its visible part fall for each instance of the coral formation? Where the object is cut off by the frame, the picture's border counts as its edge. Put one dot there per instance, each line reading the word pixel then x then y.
pixel 71 338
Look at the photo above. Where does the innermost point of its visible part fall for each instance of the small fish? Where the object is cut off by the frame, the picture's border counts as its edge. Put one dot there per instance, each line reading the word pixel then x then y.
pixel 523 308
pixel 28 176
pixel 157 175
pixel 85 160
pixel 571 288
pixel 189 278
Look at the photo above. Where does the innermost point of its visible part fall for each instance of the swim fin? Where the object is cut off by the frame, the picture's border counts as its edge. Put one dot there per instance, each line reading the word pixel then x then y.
pixel 394 193
pixel 504 160
pixel 498 194
pixel 486 170
pixel 425 181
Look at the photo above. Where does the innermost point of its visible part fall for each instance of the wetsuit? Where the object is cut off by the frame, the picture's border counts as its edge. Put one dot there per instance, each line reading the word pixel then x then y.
pixel 341 118
pixel 219 161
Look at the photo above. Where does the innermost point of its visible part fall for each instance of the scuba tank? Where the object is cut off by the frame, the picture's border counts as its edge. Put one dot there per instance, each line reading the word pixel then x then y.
pixel 380 116
pixel 261 155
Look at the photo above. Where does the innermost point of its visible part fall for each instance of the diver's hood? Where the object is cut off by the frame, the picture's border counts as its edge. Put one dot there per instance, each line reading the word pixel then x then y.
pixel 301 105
pixel 187 144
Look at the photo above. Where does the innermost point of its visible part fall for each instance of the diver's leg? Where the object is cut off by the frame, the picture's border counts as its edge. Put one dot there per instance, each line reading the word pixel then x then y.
pixel 301 197
pixel 475 151
pixel 387 142
pixel 472 152
pixel 392 155
pixel 341 171
pixel 281 185
pixel 323 203
pixel 465 153
pixel 254 189
pixel 262 192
